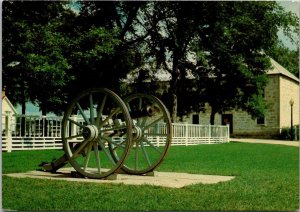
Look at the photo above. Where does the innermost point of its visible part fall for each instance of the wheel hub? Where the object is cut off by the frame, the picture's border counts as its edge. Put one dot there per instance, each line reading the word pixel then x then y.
pixel 137 133
pixel 90 132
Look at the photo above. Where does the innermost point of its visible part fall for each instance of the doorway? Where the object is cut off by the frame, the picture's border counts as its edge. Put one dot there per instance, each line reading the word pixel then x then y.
pixel 228 119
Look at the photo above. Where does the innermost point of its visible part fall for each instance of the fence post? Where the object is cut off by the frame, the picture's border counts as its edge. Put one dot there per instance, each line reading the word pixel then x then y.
pixel 157 141
pixel 8 130
pixel 158 130
pixel 209 133
pixel 73 126
pixel 228 132
pixel 186 134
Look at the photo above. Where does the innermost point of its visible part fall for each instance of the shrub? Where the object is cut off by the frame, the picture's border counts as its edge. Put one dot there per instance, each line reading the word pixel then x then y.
pixel 286 133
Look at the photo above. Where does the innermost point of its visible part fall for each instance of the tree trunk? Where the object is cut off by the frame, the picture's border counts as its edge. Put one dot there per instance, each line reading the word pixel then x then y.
pixel 23 106
pixel 212 116
pixel 174 85
pixel 174 107
pixel 44 111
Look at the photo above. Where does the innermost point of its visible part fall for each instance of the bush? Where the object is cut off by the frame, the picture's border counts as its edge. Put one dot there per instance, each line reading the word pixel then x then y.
pixel 286 133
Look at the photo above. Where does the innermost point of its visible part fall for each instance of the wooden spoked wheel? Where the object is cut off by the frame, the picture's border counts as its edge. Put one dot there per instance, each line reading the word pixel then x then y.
pixel 152 133
pixel 95 120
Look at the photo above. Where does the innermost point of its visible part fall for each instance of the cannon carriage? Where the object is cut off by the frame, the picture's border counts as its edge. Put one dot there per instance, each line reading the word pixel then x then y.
pixel 103 134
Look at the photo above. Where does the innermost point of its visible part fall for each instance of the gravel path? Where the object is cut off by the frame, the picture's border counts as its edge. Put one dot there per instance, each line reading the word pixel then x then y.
pixel 265 141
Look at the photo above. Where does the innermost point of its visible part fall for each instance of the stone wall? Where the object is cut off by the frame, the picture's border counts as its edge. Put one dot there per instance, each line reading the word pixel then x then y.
pixel 204 117
pixel 278 93
pixel 289 90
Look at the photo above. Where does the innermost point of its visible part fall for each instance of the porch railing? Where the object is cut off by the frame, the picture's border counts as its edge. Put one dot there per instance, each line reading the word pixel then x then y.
pixel 26 132
pixel 21 132
pixel 192 134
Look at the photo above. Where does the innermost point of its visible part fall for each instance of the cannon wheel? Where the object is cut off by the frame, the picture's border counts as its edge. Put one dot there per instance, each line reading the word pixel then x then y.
pixel 152 134
pixel 95 119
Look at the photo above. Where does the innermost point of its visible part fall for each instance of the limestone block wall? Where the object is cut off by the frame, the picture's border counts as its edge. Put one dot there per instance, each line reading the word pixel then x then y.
pixel 243 124
pixel 204 117
pixel 278 93
pixel 289 89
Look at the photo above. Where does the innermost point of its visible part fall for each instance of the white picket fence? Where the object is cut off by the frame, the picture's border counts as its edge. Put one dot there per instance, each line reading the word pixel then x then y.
pixel 36 132
pixel 193 134
pixel 44 132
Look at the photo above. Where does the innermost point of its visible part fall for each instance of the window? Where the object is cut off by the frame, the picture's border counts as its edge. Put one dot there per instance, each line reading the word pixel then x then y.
pixel 260 121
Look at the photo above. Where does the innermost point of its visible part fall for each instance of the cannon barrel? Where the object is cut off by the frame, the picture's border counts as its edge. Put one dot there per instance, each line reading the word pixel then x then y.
pixel 146 111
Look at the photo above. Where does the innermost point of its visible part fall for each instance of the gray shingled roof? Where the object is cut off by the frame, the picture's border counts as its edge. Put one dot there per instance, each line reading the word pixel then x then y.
pixel 278 69
pixel 163 75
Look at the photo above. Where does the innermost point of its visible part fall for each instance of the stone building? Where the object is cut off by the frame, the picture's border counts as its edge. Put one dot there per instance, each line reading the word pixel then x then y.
pixel 282 87
pixel 281 90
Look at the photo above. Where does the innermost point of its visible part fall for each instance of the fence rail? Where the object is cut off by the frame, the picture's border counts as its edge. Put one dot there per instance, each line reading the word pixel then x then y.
pixel 192 134
pixel 21 132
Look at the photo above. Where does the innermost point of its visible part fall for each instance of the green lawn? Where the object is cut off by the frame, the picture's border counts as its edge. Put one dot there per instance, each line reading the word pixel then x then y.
pixel 267 178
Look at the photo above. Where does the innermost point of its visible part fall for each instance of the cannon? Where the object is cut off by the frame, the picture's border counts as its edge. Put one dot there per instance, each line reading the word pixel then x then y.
pixel 103 134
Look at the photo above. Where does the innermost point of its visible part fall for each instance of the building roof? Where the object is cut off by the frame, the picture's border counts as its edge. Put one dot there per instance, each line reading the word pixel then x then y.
pixel 278 69
pixel 163 75
pixel 9 104
pixel 7 101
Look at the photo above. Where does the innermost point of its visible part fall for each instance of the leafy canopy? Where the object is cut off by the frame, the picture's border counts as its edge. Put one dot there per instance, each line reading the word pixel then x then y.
pixel 214 51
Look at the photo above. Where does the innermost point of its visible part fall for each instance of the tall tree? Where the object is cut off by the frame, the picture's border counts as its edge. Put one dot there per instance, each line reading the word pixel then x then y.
pixel 171 27
pixel 48 67
pixel 233 44
pixel 102 50
pixel 33 63
pixel 222 44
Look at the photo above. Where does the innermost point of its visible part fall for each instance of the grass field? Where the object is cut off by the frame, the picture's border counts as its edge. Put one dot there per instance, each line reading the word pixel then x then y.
pixel 267 178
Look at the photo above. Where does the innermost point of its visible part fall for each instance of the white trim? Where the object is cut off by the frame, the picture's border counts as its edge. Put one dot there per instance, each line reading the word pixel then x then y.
pixel 9 104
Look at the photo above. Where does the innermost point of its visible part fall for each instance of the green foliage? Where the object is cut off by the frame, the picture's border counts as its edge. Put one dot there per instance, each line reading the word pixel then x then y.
pixel 234 41
pixel 286 57
pixel 266 179
pixel 61 53
pixel 36 46
pixel 49 68
pixel 94 44
pixel 223 48
pixel 256 106
pixel 47 47
pixel 101 54
pixel 285 133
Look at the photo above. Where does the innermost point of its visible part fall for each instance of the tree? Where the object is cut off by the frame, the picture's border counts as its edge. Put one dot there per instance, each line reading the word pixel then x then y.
pixel 232 47
pixel 33 60
pixel 102 52
pixel 49 68
pixel 287 57
pixel 222 44
pixel 46 40
pixel 169 32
